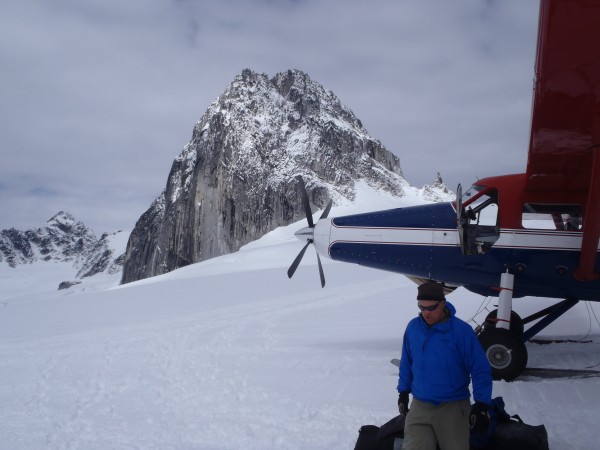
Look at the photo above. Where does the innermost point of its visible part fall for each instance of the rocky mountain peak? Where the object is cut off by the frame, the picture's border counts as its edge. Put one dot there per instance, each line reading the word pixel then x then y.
pixel 61 219
pixel 235 180
pixel 62 239
pixel 66 233
pixel 437 191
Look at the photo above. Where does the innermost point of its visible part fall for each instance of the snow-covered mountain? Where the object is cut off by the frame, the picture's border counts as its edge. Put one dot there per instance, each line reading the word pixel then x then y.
pixel 235 180
pixel 64 239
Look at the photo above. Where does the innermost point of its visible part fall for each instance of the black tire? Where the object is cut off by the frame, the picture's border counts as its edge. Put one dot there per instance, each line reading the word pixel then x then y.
pixel 516 323
pixel 505 352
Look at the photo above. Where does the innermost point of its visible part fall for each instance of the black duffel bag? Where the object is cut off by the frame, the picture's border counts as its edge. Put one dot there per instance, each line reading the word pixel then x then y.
pixel 516 435
pixel 389 436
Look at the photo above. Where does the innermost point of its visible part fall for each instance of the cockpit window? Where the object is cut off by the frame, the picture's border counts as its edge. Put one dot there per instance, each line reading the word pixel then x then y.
pixel 544 216
pixel 480 205
pixel 474 193
pixel 478 220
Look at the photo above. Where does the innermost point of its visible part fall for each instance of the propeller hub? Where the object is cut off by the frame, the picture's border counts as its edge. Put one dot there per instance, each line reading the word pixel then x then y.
pixel 305 234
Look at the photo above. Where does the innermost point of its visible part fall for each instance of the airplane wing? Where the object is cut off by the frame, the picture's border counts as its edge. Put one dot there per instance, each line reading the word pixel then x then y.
pixel 565 127
pixel 566 106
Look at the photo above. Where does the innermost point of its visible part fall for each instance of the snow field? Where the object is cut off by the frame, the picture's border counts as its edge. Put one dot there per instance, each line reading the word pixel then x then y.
pixel 231 354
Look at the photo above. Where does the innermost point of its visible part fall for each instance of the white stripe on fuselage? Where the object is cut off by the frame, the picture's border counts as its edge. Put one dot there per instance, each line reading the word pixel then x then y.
pixel 328 234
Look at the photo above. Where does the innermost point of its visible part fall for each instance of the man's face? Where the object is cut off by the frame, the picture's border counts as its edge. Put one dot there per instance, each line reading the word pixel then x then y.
pixel 432 317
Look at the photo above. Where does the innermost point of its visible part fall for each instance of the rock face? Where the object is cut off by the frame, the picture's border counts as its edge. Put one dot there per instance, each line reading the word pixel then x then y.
pixel 437 191
pixel 235 180
pixel 63 239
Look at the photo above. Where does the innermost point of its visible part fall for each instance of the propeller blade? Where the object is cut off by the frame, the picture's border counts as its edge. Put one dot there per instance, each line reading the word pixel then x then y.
pixel 321 273
pixel 305 201
pixel 296 262
pixel 327 209
pixel 308 231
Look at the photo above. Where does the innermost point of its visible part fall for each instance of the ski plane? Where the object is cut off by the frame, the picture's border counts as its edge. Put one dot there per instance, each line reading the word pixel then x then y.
pixel 529 234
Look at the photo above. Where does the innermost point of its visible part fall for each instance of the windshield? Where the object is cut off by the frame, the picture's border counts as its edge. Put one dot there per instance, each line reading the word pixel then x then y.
pixel 480 205
pixel 474 195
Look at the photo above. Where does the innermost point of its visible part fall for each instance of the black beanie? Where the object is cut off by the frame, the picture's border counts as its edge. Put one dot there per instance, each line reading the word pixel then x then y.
pixel 431 290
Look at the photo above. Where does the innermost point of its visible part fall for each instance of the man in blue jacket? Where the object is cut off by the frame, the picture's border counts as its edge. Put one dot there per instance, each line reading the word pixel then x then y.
pixel 440 356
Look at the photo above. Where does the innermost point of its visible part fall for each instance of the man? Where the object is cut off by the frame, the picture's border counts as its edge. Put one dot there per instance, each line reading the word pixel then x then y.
pixel 440 355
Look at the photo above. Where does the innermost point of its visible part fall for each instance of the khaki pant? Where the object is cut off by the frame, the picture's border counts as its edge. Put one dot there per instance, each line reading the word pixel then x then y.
pixel 446 424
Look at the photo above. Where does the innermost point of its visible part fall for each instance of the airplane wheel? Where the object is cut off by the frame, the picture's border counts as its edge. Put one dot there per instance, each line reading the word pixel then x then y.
pixel 505 352
pixel 516 323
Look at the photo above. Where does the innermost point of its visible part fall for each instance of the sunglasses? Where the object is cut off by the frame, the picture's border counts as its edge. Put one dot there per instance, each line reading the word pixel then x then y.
pixel 429 308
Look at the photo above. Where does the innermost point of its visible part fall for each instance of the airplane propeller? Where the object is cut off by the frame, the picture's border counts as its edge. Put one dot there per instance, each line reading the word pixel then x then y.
pixel 307 233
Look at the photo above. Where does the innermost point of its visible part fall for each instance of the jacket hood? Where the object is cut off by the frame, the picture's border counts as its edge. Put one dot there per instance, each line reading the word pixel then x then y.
pixel 451 309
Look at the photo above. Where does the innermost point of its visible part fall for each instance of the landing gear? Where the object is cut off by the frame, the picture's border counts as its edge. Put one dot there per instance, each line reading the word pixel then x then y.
pixel 503 336
pixel 516 323
pixel 505 351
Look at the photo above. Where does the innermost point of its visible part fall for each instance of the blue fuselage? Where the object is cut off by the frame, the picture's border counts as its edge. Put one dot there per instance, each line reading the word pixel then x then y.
pixel 422 241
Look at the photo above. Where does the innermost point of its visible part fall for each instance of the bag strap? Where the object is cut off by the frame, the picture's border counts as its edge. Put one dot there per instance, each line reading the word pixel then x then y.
pixel 517 418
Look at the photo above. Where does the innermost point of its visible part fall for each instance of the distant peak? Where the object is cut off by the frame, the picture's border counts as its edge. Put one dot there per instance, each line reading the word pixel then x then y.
pixel 437 191
pixel 438 182
pixel 248 74
pixel 295 74
pixel 62 217
pixel 290 73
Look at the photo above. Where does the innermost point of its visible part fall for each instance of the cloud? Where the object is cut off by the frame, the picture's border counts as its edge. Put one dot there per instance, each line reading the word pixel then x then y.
pixel 97 98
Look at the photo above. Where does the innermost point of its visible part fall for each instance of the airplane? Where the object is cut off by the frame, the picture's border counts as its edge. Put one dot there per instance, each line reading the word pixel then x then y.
pixel 533 234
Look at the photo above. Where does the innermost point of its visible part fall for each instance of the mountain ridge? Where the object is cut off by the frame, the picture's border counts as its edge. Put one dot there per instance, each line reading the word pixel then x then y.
pixel 106 255
pixel 63 239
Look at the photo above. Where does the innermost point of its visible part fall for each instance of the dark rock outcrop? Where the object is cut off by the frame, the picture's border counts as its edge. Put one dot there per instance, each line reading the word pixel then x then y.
pixel 67 284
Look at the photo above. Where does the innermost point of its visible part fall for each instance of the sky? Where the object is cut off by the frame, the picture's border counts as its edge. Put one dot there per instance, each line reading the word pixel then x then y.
pixel 98 97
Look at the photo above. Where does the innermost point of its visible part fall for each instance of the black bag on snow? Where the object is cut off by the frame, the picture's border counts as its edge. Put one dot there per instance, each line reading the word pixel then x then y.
pixel 367 438
pixel 387 437
pixel 509 432
pixel 516 435
pixel 504 433
pixel 391 434
pixel 481 441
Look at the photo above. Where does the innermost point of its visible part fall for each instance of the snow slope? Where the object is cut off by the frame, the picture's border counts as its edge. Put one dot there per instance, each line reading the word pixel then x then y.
pixel 231 354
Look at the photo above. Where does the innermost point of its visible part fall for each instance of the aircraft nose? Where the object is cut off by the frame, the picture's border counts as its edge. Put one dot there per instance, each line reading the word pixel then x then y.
pixel 305 234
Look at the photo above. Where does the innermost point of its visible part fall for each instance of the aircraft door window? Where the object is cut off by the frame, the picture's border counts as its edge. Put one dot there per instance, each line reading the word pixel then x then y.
pixel 479 219
pixel 559 217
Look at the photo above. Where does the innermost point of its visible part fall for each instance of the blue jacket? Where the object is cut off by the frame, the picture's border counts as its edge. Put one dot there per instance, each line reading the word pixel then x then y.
pixel 439 361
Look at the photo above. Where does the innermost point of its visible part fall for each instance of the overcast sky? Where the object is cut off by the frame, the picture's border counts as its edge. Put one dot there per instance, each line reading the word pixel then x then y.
pixel 97 97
